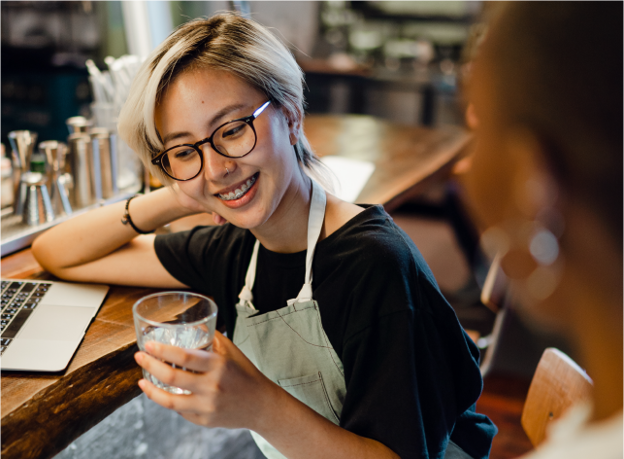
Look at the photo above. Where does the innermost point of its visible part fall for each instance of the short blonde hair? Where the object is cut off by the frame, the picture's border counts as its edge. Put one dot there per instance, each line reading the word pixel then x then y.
pixel 225 42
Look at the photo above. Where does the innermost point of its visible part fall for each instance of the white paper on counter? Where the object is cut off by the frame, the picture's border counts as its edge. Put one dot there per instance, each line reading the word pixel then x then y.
pixel 351 174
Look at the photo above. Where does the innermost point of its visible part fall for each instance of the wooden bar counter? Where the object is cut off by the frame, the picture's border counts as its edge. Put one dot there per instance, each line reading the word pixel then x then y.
pixel 43 413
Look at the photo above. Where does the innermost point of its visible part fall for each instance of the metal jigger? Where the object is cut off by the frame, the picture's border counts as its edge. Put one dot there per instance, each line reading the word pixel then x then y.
pixel 22 146
pixel 37 205
pixel 58 183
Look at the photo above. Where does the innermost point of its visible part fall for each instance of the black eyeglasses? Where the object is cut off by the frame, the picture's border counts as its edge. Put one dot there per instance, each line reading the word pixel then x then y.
pixel 234 139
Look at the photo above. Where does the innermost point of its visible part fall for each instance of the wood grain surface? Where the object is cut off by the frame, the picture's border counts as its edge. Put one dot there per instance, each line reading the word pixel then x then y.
pixel 405 157
pixel 558 384
pixel 43 413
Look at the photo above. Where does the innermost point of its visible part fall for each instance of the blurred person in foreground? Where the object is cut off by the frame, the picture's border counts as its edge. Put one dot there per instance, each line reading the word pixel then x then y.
pixel 546 183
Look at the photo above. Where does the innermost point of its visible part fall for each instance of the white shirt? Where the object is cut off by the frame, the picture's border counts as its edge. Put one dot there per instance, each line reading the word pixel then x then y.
pixel 572 437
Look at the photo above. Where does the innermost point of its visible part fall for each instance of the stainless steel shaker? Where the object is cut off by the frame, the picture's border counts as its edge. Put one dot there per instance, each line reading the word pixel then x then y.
pixel 58 181
pixel 22 146
pixel 37 204
pixel 81 164
pixel 105 151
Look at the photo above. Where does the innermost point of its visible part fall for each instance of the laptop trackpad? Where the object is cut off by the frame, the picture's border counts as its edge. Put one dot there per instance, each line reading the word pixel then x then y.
pixel 58 323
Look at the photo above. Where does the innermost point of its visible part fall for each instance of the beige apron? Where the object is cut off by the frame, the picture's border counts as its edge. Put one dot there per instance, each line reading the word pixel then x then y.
pixel 289 345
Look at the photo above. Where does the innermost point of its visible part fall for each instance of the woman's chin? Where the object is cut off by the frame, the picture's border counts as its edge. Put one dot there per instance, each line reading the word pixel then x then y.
pixel 245 219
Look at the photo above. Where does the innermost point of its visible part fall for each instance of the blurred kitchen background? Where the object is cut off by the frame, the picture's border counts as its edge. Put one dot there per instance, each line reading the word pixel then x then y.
pixel 397 60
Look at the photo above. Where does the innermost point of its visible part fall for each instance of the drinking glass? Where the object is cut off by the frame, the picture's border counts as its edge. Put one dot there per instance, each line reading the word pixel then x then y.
pixel 182 319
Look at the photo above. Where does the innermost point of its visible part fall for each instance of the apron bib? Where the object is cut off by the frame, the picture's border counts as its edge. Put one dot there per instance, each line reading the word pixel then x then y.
pixel 289 345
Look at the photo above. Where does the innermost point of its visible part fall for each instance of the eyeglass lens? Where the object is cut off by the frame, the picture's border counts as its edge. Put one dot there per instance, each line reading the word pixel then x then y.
pixel 234 139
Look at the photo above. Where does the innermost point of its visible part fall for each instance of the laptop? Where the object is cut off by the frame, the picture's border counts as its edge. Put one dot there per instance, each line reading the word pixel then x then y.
pixel 44 322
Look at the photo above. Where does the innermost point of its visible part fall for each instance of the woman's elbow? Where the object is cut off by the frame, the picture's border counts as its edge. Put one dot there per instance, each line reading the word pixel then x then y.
pixel 44 256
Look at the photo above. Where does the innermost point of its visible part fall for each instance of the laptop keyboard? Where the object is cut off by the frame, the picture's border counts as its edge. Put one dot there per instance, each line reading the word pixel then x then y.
pixel 19 299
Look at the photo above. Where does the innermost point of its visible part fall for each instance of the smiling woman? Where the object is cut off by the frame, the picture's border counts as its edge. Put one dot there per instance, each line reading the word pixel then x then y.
pixel 339 343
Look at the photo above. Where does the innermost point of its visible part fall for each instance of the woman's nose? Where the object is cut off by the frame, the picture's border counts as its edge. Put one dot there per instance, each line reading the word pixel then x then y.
pixel 216 166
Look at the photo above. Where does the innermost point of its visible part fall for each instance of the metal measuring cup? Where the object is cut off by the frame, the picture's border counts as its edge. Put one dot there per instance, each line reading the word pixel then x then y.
pixel 37 204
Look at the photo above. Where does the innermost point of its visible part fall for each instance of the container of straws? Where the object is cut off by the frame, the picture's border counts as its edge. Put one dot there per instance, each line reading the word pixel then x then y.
pixel 110 90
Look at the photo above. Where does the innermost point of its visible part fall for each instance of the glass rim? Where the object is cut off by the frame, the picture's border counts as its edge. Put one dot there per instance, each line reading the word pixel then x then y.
pixel 164 325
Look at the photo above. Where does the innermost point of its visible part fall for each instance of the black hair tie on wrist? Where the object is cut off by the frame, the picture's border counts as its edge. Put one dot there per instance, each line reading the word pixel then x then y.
pixel 127 219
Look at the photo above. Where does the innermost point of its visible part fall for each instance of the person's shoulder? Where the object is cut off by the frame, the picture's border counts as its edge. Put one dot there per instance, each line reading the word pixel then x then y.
pixel 377 242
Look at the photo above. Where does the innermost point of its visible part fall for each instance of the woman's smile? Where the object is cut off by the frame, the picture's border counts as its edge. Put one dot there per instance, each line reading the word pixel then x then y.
pixel 240 193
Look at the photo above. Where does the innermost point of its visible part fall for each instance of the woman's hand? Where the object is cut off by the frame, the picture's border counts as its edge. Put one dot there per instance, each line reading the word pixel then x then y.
pixel 193 205
pixel 188 202
pixel 227 389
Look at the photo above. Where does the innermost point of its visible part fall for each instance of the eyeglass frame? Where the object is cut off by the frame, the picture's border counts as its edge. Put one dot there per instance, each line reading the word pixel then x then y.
pixel 157 160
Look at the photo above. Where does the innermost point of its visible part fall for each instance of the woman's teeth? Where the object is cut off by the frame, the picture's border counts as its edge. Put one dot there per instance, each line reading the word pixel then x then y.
pixel 239 192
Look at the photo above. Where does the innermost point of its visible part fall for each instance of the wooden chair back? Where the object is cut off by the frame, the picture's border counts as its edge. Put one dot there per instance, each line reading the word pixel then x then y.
pixel 558 383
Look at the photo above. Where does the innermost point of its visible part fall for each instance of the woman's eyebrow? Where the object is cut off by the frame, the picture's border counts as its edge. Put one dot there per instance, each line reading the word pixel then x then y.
pixel 225 111
pixel 216 118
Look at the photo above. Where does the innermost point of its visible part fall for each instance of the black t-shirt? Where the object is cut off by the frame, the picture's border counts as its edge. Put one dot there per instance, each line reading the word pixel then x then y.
pixel 412 374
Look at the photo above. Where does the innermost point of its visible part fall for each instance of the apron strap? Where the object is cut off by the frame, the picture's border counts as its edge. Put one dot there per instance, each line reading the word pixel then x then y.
pixel 315 225
pixel 245 294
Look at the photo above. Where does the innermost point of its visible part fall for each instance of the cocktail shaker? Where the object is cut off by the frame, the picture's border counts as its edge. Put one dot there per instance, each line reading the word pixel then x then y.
pixel 105 151
pixel 81 164
pixel 22 146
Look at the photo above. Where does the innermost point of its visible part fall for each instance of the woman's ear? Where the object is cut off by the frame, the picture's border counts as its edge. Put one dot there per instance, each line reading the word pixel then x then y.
pixel 293 138
pixel 294 126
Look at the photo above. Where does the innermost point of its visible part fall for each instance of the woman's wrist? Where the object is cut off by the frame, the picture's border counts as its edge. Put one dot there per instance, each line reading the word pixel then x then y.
pixel 155 209
pixel 265 415
pixel 298 431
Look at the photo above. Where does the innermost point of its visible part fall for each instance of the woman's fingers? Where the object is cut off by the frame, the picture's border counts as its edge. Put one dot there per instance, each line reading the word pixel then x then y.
pixel 166 373
pixel 187 201
pixel 221 345
pixel 199 419
pixel 218 219
pixel 226 388
pixel 183 404
pixel 191 359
